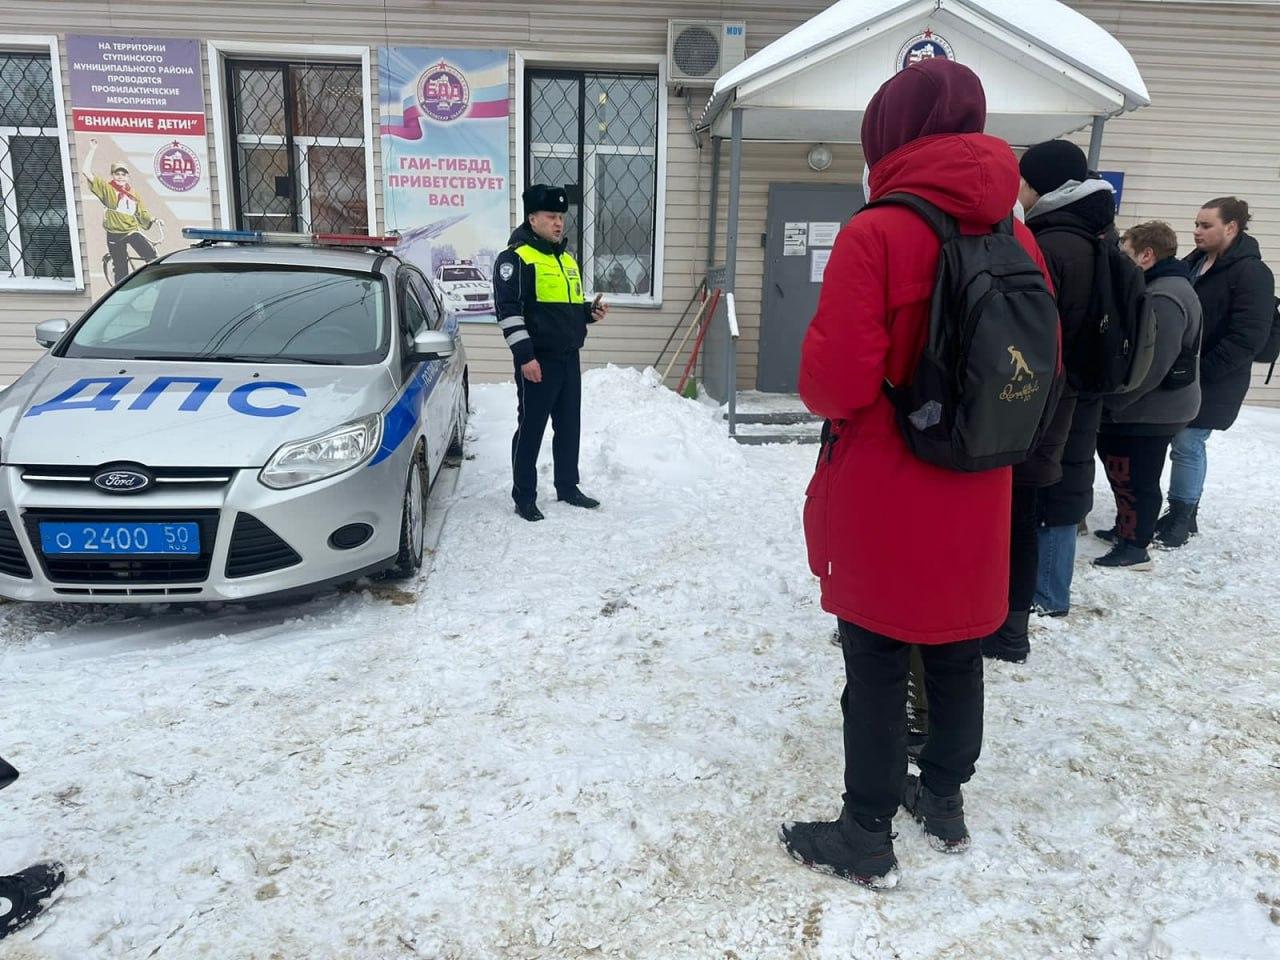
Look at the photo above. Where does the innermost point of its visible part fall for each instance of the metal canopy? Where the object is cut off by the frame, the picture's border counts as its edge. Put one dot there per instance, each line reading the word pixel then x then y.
pixel 1046 69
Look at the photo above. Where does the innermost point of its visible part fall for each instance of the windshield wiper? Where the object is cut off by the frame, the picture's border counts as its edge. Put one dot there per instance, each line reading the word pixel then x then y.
pixel 229 358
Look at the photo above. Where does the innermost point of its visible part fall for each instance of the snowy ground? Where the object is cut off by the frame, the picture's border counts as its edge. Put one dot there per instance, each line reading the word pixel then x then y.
pixel 579 736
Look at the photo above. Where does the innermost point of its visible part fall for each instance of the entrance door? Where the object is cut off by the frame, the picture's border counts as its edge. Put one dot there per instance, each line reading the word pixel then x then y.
pixel 803 221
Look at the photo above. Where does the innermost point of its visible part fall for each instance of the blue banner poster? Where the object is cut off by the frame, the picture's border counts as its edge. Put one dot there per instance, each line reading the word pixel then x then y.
pixel 445 158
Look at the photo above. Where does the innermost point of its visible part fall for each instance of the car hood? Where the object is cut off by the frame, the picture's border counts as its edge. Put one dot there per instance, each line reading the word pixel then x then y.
pixel 75 412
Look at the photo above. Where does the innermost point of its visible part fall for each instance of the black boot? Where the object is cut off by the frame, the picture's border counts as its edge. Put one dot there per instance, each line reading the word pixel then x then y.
pixel 1174 528
pixel 1125 555
pixel 576 498
pixel 1193 527
pixel 844 849
pixel 943 817
pixel 529 511
pixel 25 894
pixel 1010 642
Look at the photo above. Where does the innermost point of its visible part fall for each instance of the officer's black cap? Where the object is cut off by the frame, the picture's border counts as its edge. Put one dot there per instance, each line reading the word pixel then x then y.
pixel 543 196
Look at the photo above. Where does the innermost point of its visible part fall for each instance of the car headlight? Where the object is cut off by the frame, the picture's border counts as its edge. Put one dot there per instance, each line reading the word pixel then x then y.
pixel 318 458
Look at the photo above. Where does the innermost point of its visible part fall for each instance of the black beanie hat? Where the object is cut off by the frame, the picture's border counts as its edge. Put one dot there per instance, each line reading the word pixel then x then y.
pixel 1049 165
pixel 543 196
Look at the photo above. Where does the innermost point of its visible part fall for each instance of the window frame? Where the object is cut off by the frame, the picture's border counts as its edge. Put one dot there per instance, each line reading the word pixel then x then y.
pixel 574 64
pixel 44 43
pixel 221 51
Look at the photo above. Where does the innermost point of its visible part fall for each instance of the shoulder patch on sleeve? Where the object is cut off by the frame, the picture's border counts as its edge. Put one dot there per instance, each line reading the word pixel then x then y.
pixel 506 271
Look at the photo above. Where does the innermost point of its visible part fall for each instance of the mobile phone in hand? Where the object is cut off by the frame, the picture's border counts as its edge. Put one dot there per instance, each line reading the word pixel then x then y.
pixel 595 304
pixel 8 773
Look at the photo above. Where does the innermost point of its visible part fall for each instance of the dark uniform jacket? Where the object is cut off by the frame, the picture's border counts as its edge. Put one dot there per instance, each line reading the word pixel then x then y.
pixel 537 294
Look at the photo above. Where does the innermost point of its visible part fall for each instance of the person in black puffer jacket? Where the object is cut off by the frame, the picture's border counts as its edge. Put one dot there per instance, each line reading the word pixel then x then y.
pixel 1237 291
pixel 1054 486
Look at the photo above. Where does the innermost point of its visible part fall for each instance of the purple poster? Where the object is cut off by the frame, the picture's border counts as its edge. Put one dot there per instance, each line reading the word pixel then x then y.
pixel 137 109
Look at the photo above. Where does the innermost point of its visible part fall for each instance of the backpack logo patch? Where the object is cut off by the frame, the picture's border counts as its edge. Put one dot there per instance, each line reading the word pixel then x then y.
pixel 1021 370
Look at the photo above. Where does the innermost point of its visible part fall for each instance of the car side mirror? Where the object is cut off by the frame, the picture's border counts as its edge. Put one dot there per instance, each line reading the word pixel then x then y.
pixel 49 332
pixel 432 345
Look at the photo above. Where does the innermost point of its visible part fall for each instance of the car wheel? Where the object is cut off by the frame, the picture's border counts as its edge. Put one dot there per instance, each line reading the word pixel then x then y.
pixel 460 424
pixel 413 520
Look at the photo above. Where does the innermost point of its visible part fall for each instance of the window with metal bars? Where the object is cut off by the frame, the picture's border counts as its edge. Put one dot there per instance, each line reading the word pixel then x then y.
pixel 35 234
pixel 596 133
pixel 299 153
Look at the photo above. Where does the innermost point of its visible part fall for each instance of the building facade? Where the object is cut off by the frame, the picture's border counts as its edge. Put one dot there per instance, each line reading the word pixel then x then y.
pixel 286 136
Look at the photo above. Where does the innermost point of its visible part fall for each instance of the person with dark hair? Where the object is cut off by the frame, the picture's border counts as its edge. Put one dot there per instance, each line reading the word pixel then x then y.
pixel 1137 426
pixel 1237 291
pixel 884 528
pixel 537 294
pixel 1066 209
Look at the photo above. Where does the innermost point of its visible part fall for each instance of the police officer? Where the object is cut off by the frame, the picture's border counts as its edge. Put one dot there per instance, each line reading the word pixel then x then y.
pixel 537 293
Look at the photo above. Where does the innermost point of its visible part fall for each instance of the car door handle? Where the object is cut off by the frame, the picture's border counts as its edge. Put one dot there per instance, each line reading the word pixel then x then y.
pixel 778 287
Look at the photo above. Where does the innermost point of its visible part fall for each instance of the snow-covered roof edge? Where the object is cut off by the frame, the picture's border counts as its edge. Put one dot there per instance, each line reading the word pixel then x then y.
pixel 1077 40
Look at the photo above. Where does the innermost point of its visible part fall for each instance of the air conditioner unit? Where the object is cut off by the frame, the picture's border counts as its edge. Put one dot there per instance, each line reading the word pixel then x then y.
pixel 699 52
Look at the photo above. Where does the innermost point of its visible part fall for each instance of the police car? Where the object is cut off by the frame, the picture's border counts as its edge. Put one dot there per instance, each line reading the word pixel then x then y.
pixel 464 287
pixel 258 414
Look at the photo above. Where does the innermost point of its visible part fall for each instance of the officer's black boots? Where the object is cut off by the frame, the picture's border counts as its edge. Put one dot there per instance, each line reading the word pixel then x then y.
pixel 529 511
pixel 576 498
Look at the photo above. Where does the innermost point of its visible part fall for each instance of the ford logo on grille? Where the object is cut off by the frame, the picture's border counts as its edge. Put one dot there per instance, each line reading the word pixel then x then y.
pixel 122 479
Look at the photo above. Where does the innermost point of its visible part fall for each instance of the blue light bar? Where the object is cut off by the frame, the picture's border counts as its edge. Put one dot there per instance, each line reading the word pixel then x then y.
pixel 224 236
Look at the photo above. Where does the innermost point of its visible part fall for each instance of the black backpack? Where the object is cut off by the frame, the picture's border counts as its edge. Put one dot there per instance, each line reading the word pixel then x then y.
pixel 1114 354
pixel 980 394
pixel 1270 351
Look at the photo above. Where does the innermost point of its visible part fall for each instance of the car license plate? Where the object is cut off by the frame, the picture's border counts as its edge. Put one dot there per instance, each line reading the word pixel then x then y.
pixel 120 538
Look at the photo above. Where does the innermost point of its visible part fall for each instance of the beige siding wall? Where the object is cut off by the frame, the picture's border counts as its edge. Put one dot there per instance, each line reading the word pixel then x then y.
pixel 1214 75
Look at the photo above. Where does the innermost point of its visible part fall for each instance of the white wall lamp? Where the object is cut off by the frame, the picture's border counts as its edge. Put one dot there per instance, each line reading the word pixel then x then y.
pixel 819 157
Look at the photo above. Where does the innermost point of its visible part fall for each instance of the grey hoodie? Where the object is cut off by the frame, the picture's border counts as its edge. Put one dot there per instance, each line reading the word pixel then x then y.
pixel 1154 409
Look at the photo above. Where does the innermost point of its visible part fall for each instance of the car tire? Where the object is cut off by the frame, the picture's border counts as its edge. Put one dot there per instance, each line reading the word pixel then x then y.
pixel 413 520
pixel 456 442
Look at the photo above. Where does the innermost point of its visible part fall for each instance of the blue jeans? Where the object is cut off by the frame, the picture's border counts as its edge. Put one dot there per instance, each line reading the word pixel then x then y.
pixel 1057 547
pixel 1190 464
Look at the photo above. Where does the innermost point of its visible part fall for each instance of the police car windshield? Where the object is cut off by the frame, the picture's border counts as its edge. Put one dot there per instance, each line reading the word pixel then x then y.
pixel 460 273
pixel 274 314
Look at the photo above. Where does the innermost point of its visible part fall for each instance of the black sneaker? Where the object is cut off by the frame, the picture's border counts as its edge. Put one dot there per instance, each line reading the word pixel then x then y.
pixel 1126 555
pixel 529 511
pixel 27 893
pixel 1175 528
pixel 1107 536
pixel 1010 643
pixel 1040 611
pixel 943 817
pixel 576 498
pixel 843 849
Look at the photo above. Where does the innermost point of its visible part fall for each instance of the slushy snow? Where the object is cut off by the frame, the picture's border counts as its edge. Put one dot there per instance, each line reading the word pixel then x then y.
pixel 577 738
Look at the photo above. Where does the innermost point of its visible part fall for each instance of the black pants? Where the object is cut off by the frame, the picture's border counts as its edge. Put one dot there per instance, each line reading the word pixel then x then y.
pixel 875 718
pixel 1024 547
pixel 1133 466
pixel 118 247
pixel 558 397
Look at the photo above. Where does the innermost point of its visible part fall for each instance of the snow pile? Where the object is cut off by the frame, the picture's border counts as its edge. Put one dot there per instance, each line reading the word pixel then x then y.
pixel 579 740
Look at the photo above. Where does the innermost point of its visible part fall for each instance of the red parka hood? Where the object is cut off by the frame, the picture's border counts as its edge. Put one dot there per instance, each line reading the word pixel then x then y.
pixel 972 176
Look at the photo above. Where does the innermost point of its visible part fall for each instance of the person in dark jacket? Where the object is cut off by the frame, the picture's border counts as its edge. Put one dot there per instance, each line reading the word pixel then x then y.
pixel 883 527
pixel 537 294
pixel 1065 208
pixel 1137 426
pixel 1237 291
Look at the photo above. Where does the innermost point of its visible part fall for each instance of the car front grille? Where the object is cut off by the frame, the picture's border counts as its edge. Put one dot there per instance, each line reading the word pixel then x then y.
pixel 256 549
pixel 477 297
pixel 169 478
pixel 12 560
pixel 125 570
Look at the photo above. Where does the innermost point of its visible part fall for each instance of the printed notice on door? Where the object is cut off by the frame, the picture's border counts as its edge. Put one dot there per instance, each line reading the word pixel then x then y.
pixel 794 239
pixel 823 233
pixel 818 265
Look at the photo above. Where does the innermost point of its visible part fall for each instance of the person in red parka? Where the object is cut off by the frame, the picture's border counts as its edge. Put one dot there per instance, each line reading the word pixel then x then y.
pixel 907 552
